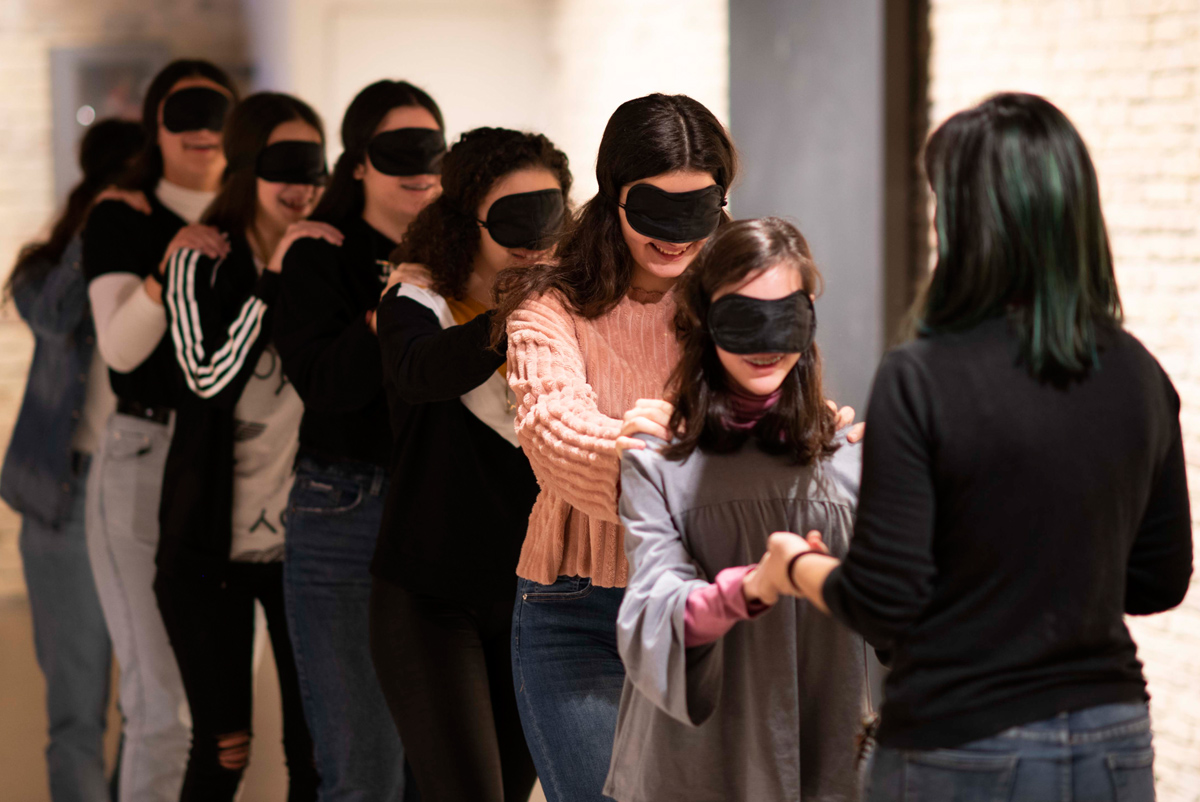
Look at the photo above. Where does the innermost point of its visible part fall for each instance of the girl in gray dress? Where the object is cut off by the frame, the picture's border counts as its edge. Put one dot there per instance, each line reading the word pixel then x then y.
pixel 713 709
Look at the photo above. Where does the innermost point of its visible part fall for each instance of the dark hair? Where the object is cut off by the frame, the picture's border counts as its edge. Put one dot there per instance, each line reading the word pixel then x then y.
pixel 445 235
pixel 800 423
pixel 1020 231
pixel 148 167
pixel 249 127
pixel 645 137
pixel 344 198
pixel 104 155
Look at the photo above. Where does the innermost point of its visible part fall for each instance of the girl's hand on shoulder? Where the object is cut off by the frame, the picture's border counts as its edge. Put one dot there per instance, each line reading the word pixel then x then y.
pixel 648 416
pixel 131 197
pixel 301 230
pixel 845 417
pixel 206 239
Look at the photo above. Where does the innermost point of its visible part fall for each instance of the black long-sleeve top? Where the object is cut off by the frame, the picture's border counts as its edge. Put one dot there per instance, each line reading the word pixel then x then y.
pixel 459 494
pixel 329 352
pixel 1005 526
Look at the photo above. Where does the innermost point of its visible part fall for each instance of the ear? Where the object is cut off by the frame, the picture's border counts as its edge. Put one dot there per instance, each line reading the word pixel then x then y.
pixel 360 171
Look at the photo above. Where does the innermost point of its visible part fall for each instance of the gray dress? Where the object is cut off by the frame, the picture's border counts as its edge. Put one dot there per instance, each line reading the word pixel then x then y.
pixel 770 711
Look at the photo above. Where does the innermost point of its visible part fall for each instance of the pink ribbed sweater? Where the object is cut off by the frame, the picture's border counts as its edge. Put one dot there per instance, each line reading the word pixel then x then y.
pixel 573 379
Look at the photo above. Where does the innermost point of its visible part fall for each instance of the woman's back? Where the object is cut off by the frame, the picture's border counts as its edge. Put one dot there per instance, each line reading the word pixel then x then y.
pixel 1002 601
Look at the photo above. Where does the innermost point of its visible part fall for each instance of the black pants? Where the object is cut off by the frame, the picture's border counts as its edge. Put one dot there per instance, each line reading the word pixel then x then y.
pixel 446 671
pixel 211 628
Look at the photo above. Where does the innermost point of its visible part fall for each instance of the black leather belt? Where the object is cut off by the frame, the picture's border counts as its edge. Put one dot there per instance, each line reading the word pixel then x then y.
pixel 138 410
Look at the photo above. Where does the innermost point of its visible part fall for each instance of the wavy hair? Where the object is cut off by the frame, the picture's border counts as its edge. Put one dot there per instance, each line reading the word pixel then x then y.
pixel 1020 232
pixel 445 235
pixel 800 423
pixel 645 137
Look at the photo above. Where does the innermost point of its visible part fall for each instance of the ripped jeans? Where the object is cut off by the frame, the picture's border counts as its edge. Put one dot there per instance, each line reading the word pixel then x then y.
pixel 1101 754
pixel 211 627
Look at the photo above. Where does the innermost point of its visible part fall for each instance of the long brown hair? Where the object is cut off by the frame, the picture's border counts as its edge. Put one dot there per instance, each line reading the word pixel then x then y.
pixel 800 423
pixel 645 137
pixel 445 235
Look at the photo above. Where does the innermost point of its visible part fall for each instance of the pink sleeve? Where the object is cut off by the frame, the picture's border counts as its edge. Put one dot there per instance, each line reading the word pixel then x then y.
pixel 712 610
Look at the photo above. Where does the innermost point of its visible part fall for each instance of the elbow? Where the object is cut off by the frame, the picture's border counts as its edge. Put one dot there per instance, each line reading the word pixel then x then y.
pixel 116 359
pixel 1159 597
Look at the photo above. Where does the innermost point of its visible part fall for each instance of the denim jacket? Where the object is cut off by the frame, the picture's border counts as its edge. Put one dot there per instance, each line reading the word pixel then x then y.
pixel 37 478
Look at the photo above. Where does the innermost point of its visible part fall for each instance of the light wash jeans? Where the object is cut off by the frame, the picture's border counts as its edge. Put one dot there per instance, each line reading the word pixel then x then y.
pixel 1101 754
pixel 123 495
pixel 73 650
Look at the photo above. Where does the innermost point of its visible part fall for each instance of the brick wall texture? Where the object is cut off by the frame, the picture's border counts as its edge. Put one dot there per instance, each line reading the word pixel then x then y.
pixel 1127 72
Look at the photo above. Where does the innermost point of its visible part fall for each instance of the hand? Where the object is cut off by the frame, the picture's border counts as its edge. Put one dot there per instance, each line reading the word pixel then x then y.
pixel 301 230
pixel 394 278
pixel 153 288
pixel 132 197
pixel 648 416
pixel 206 239
pixel 845 417
pixel 757 586
pixel 781 548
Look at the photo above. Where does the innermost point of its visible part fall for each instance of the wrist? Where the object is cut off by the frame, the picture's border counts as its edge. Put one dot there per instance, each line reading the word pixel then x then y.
pixel 791 566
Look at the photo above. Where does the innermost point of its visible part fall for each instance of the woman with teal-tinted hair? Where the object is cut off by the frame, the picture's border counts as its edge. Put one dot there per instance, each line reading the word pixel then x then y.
pixel 1023 489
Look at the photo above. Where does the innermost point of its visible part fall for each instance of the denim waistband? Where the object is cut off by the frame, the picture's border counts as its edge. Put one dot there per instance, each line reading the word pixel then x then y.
pixel 366 474
pixel 1091 725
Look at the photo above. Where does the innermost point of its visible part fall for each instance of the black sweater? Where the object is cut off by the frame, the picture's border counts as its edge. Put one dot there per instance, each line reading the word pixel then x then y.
pixel 119 239
pixel 218 326
pixel 459 494
pixel 1005 526
pixel 328 351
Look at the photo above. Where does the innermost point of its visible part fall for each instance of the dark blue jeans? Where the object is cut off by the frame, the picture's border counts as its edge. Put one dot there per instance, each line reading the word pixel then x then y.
pixel 1102 754
pixel 333 521
pixel 568 676
pixel 73 649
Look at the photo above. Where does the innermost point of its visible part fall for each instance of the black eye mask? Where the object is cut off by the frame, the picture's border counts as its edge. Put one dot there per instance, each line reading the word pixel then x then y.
pixel 408 151
pixel 526 220
pixel 196 108
pixel 292 162
pixel 744 325
pixel 674 216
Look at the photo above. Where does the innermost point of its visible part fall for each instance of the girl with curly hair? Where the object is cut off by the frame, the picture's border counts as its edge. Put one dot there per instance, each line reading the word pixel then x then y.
pixel 461 489
pixel 388 172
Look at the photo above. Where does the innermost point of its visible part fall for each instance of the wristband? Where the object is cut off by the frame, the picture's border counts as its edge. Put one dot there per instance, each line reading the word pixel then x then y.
pixel 792 565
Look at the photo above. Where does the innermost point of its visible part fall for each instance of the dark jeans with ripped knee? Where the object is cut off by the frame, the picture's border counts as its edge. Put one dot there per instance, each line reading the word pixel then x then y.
pixel 211 627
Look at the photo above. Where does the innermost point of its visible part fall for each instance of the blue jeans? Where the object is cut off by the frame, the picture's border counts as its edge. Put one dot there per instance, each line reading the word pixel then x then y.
pixel 1102 754
pixel 333 522
pixel 568 677
pixel 73 649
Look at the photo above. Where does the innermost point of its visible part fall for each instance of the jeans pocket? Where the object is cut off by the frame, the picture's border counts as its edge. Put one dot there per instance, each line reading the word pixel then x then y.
pixel 564 589
pixel 325 496
pixel 1132 773
pixel 959 775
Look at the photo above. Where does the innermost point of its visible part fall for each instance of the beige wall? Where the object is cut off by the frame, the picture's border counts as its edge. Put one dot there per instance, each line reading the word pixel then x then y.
pixel 1128 74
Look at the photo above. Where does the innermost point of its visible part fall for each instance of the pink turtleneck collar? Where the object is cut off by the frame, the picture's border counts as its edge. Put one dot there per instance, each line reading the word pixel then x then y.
pixel 747 409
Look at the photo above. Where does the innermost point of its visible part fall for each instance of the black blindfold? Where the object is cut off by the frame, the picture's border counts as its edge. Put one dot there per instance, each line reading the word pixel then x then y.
pixel 528 220
pixel 408 151
pixel 292 162
pixel 674 216
pixel 744 325
pixel 197 108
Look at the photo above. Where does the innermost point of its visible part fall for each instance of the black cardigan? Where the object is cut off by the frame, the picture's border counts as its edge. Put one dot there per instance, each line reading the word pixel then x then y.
pixel 459 495
pixel 1005 526
pixel 329 353
pixel 119 239
pixel 218 327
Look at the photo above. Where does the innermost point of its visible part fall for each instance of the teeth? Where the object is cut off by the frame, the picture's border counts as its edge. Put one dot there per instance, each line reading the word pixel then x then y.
pixel 764 361
pixel 665 252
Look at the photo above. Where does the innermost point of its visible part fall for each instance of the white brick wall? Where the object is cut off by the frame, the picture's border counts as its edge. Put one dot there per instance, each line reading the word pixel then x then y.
pixel 1127 72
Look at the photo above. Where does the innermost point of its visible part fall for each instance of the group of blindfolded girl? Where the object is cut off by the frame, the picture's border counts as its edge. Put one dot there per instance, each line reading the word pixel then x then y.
pixel 503 475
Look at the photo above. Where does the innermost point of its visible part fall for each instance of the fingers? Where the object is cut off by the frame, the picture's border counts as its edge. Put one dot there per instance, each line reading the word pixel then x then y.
pixel 845 417
pixel 131 197
pixel 856 432
pixel 315 230
pixel 206 239
pixel 644 425
pixel 654 409
pixel 815 542
pixel 628 444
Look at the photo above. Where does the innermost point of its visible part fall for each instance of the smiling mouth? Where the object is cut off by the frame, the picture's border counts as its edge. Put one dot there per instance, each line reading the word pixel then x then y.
pixel 764 361
pixel 294 205
pixel 670 254
pixel 417 187
pixel 203 148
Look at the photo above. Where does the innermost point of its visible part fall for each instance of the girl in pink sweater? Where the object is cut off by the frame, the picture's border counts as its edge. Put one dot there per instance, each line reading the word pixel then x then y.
pixel 587 338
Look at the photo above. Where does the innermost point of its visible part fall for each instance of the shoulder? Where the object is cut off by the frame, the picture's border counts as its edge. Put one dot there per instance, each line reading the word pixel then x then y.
pixel 416 275
pixel 544 317
pixel 1147 370
pixel 844 467
pixel 114 216
pixel 313 252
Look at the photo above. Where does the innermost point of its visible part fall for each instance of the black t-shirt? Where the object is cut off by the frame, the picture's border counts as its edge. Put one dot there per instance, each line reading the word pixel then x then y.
pixel 1005 527
pixel 459 494
pixel 119 239
pixel 329 352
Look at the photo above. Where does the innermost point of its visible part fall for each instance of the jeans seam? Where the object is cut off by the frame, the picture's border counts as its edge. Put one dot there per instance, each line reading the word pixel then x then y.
pixel 550 779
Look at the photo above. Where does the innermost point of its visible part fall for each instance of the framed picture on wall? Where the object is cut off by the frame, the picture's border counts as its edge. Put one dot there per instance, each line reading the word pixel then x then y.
pixel 93 83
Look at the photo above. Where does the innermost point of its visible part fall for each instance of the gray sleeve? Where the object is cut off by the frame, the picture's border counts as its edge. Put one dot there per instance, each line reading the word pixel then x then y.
pixel 685 683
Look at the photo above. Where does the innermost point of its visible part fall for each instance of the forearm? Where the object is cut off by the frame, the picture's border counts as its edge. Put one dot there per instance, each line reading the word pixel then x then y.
pixel 808 576
pixel 129 324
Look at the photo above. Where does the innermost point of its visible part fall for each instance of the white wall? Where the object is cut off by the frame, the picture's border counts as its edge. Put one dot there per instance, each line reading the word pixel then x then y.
pixel 555 66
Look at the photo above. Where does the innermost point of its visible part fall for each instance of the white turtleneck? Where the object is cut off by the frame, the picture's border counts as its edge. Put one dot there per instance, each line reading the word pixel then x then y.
pixel 129 323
